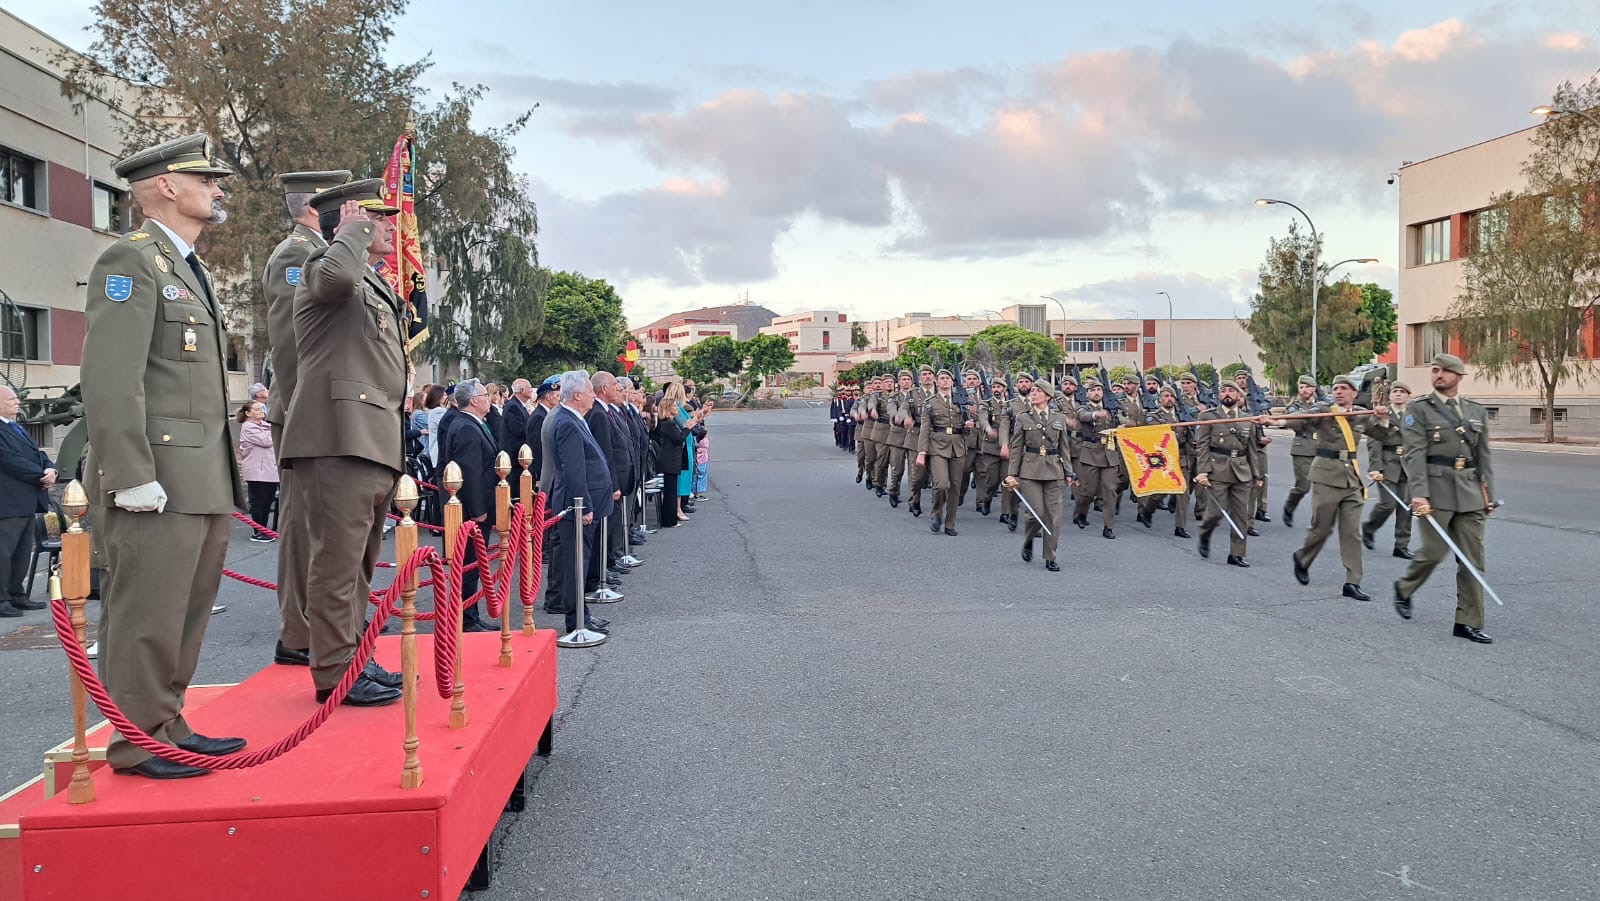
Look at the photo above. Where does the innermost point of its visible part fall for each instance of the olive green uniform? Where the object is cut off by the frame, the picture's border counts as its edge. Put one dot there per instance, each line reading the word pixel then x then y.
pixel 1336 491
pixel 994 432
pixel 1037 441
pixel 912 409
pixel 896 442
pixel 156 399
pixel 1097 464
pixel 1386 454
pixel 1302 451
pixel 1229 456
pixel 943 444
pixel 1447 460
pixel 866 452
pixel 878 419
pixel 1185 438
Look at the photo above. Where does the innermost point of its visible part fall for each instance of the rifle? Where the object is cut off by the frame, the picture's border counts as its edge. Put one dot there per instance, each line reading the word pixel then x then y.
pixel 1206 395
pixel 1147 401
pixel 1216 385
pixel 1258 400
pixel 1081 396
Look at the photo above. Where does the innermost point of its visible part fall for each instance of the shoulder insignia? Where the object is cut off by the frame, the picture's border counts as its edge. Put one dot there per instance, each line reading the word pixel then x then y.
pixel 291 275
pixel 1411 420
pixel 161 263
pixel 164 247
pixel 119 288
pixel 138 236
pixel 300 238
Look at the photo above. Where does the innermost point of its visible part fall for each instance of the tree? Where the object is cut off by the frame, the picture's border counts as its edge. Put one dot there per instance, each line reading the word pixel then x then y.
pixel 1532 281
pixel 1015 348
pixel 929 350
pixel 858 337
pixel 765 355
pixel 1280 317
pixel 1377 303
pixel 861 372
pixel 582 325
pixel 718 356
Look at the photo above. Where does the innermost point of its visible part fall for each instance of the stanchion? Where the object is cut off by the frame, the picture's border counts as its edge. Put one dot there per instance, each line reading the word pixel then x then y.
pixel 604 594
pixel 502 522
pixel 581 637
pixel 73 582
pixel 627 533
pixel 405 544
pixel 525 458
pixel 452 534
pixel 654 486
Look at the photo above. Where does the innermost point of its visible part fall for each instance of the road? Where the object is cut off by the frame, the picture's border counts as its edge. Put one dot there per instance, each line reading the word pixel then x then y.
pixel 807 695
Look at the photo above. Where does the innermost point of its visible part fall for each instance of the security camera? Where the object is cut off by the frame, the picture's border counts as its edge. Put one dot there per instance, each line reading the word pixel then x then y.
pixel 1391 179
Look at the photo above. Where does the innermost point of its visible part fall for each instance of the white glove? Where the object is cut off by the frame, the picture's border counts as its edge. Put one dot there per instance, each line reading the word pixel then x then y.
pixel 141 498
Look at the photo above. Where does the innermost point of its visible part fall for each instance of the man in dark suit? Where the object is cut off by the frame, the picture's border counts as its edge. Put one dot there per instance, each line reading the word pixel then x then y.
pixel 514 430
pixel 25 474
pixel 494 418
pixel 469 445
pixel 547 396
pixel 610 433
pixel 578 468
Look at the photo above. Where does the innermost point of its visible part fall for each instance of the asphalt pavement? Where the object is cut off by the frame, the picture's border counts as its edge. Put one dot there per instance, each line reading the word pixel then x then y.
pixel 807 695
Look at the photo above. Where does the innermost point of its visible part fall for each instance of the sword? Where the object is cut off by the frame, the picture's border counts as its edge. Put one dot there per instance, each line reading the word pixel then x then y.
pixel 1223 509
pixel 1031 512
pixel 1445 537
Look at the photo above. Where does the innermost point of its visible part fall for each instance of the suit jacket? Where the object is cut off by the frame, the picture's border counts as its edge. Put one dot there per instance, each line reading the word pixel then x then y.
pixel 605 435
pixel 514 430
pixel 670 438
pixel 278 282
pixel 533 436
pixel 22 465
pixel 497 426
pixel 577 463
pixel 155 391
pixel 350 383
pixel 470 447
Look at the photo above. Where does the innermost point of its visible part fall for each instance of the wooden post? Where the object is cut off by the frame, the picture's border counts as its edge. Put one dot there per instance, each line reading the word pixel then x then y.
pixel 502 524
pixel 452 534
pixel 525 457
pixel 405 544
pixel 73 583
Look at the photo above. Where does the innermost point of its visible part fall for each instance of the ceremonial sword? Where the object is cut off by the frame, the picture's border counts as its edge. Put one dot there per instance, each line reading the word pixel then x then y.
pixel 1445 536
pixel 1223 509
pixel 1031 512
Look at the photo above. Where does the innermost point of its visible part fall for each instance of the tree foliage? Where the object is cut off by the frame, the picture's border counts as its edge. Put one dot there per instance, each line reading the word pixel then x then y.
pixel 929 350
pixel 858 337
pixel 1532 280
pixel 766 355
pixel 1280 317
pixel 582 327
pixel 716 357
pixel 1016 348
pixel 1377 303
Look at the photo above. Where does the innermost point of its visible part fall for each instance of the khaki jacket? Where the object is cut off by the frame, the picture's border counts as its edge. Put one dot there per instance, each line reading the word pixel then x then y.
pixel 1097 449
pixel 1449 464
pixel 1336 464
pixel 351 380
pixel 896 434
pixel 155 381
pixel 1038 446
pixel 996 415
pixel 278 281
pixel 1226 453
pixel 1386 447
pixel 1305 442
pixel 944 428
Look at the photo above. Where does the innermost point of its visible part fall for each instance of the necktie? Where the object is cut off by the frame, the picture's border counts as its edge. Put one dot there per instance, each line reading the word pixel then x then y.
pixel 199 274
pixel 488 434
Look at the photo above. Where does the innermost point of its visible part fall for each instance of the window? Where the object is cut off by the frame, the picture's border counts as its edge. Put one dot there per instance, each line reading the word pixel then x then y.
pixel 1081 345
pixel 1491 414
pixel 1427 340
pixel 1536 415
pixel 1487 228
pixel 25 334
pixel 825 340
pixel 1113 344
pixel 1433 242
pixel 111 209
pixel 19 179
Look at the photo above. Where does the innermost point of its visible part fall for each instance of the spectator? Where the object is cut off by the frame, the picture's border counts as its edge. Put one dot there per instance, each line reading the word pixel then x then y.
pixel 466 442
pixel 606 426
pixel 25 475
pixel 578 468
pixel 548 397
pixel 669 450
pixel 676 405
pixel 259 465
pixel 514 430
pixel 436 414
pixel 423 420
pixel 496 416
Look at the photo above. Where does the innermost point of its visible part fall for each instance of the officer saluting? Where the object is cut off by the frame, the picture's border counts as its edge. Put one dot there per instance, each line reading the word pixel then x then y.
pixel 161 470
pixel 1449 470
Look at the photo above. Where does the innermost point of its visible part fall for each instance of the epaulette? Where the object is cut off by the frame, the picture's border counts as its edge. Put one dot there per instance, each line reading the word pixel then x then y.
pixel 138 236
pixel 301 238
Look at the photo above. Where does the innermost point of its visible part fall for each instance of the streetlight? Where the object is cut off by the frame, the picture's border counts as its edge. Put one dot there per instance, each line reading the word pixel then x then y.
pixel 1549 112
pixel 1316 280
pixel 1063 325
pixel 1171 357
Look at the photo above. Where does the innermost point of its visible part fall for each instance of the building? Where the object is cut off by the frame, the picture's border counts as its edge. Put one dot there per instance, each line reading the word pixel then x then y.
pixel 662 342
pixel 1441 200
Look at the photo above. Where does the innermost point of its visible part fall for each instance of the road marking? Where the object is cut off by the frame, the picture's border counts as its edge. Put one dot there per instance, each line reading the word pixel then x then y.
pixel 1404 877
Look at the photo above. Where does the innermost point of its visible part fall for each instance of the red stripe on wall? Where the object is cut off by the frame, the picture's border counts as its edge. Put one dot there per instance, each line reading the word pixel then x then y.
pixel 66 337
pixel 1458 236
pixel 1149 355
pixel 71 199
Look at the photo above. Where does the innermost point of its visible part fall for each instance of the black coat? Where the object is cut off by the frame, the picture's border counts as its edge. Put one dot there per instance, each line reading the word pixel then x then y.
pixel 612 444
pixel 22 465
pixel 533 436
pixel 578 466
pixel 670 441
pixel 514 430
pixel 469 447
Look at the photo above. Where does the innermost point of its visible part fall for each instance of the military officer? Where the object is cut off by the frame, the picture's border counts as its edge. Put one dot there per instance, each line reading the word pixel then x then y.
pixel 278 281
pixel 913 409
pixel 343 435
pixel 866 448
pixel 973 383
pixel 881 414
pixel 941 445
pixel 1304 448
pixel 1258 495
pixel 1037 469
pixel 1096 464
pixel 1336 488
pixel 896 440
pixel 1385 455
pixel 1451 475
pixel 1227 464
pixel 1019 405
pixel 161 471
pixel 1189 399
pixel 994 447
pixel 1167 412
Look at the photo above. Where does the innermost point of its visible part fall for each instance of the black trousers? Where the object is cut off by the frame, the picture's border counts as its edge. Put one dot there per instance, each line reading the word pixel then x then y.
pixel 261 495
pixel 564 581
pixel 667 502
pixel 16 549
pixel 472 579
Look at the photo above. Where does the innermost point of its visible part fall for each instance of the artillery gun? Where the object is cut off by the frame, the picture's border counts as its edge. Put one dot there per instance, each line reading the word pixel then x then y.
pixel 48 405
pixel 1372 383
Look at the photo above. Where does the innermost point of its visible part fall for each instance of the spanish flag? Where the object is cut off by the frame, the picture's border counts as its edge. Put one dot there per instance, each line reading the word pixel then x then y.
pixel 1151 452
pixel 403 268
pixel 629 356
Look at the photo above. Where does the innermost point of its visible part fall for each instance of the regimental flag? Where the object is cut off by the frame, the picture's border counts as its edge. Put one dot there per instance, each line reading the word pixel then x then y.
pixel 403 268
pixel 629 356
pixel 1151 452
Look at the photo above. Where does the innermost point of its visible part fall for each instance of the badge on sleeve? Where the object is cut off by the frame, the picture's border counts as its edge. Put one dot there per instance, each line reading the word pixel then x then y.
pixel 171 292
pixel 291 275
pixel 1411 420
pixel 119 288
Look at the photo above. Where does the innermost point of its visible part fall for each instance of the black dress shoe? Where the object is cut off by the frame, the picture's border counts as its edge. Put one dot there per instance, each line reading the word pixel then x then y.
pixel 365 693
pixel 1366 541
pixel 1236 560
pixel 1301 574
pixel 881 493
pixel 478 625
pixel 1263 517
pixel 597 622
pixel 934 527
pixel 1012 525
pixel 27 604
pixel 1404 553
pixel 1352 590
pixel 1027 552
pixel 1288 517
pixel 382 676
pixel 894 500
pixel 156 768
pixel 949 531
pixel 1051 566
pixel 1471 634
pixel 1205 545
pixel 1108 533
pixel 7 610
pixel 1253 532
pixel 291 656
pixel 1402 604
pixel 916 509
pixel 983 509
pixel 603 626
pixel 1180 533
pixel 216 747
pixel 858 478
pixel 1081 522
pixel 1142 518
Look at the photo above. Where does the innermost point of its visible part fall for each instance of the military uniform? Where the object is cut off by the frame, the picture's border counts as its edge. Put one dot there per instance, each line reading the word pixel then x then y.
pixel 994 432
pixel 1447 460
pixel 156 399
pixel 1037 441
pixel 897 440
pixel 1018 405
pixel 942 443
pixel 343 434
pixel 1386 454
pixel 1336 495
pixel 1230 458
pixel 865 453
pixel 969 460
pixel 912 410
pixel 1258 494
pixel 1097 465
pixel 1301 452
pixel 278 282
pixel 1185 438
pixel 881 430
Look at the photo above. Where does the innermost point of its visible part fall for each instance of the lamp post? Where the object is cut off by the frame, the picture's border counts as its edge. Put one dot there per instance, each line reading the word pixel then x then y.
pixel 1549 112
pixel 1063 309
pixel 1171 357
pixel 1316 277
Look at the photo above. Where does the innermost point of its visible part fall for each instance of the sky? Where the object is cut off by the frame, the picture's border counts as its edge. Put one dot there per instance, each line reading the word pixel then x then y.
pixel 887 156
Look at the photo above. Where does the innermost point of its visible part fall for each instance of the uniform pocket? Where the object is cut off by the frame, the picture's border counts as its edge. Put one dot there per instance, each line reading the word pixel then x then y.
pixel 359 391
pixel 166 432
pixel 187 332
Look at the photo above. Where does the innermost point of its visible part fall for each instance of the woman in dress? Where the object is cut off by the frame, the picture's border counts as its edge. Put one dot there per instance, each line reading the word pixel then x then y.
pixel 258 465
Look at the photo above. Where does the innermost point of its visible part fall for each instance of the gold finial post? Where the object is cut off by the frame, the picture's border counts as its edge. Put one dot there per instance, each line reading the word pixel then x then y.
pixel 525 457
pixel 452 534
pixel 73 584
pixel 502 524
pixel 405 544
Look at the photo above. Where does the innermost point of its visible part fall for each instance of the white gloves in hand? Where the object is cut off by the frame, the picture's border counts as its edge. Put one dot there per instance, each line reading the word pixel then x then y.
pixel 141 498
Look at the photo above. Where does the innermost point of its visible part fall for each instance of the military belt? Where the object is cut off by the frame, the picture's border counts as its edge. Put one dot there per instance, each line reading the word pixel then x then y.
pixel 1042 450
pixel 1226 453
pixel 1341 456
pixel 1456 463
pixel 954 431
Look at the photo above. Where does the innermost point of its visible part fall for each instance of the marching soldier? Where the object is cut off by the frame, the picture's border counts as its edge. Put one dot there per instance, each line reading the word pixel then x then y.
pixel 914 408
pixel 1038 470
pixel 942 442
pixel 1448 466
pixel 1097 465
pixel 1066 403
pixel 1227 461
pixel 161 471
pixel 1018 406
pixel 1258 495
pixel 898 416
pixel 1304 448
pixel 1167 412
pixel 1385 455
pixel 994 447
pixel 1189 399
pixel 888 400
pixel 973 384
pixel 1336 489
pixel 278 281
pixel 865 414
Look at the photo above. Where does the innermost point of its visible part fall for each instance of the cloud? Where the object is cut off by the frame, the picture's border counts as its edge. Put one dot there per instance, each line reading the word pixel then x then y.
pixel 585 96
pixel 1194 295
